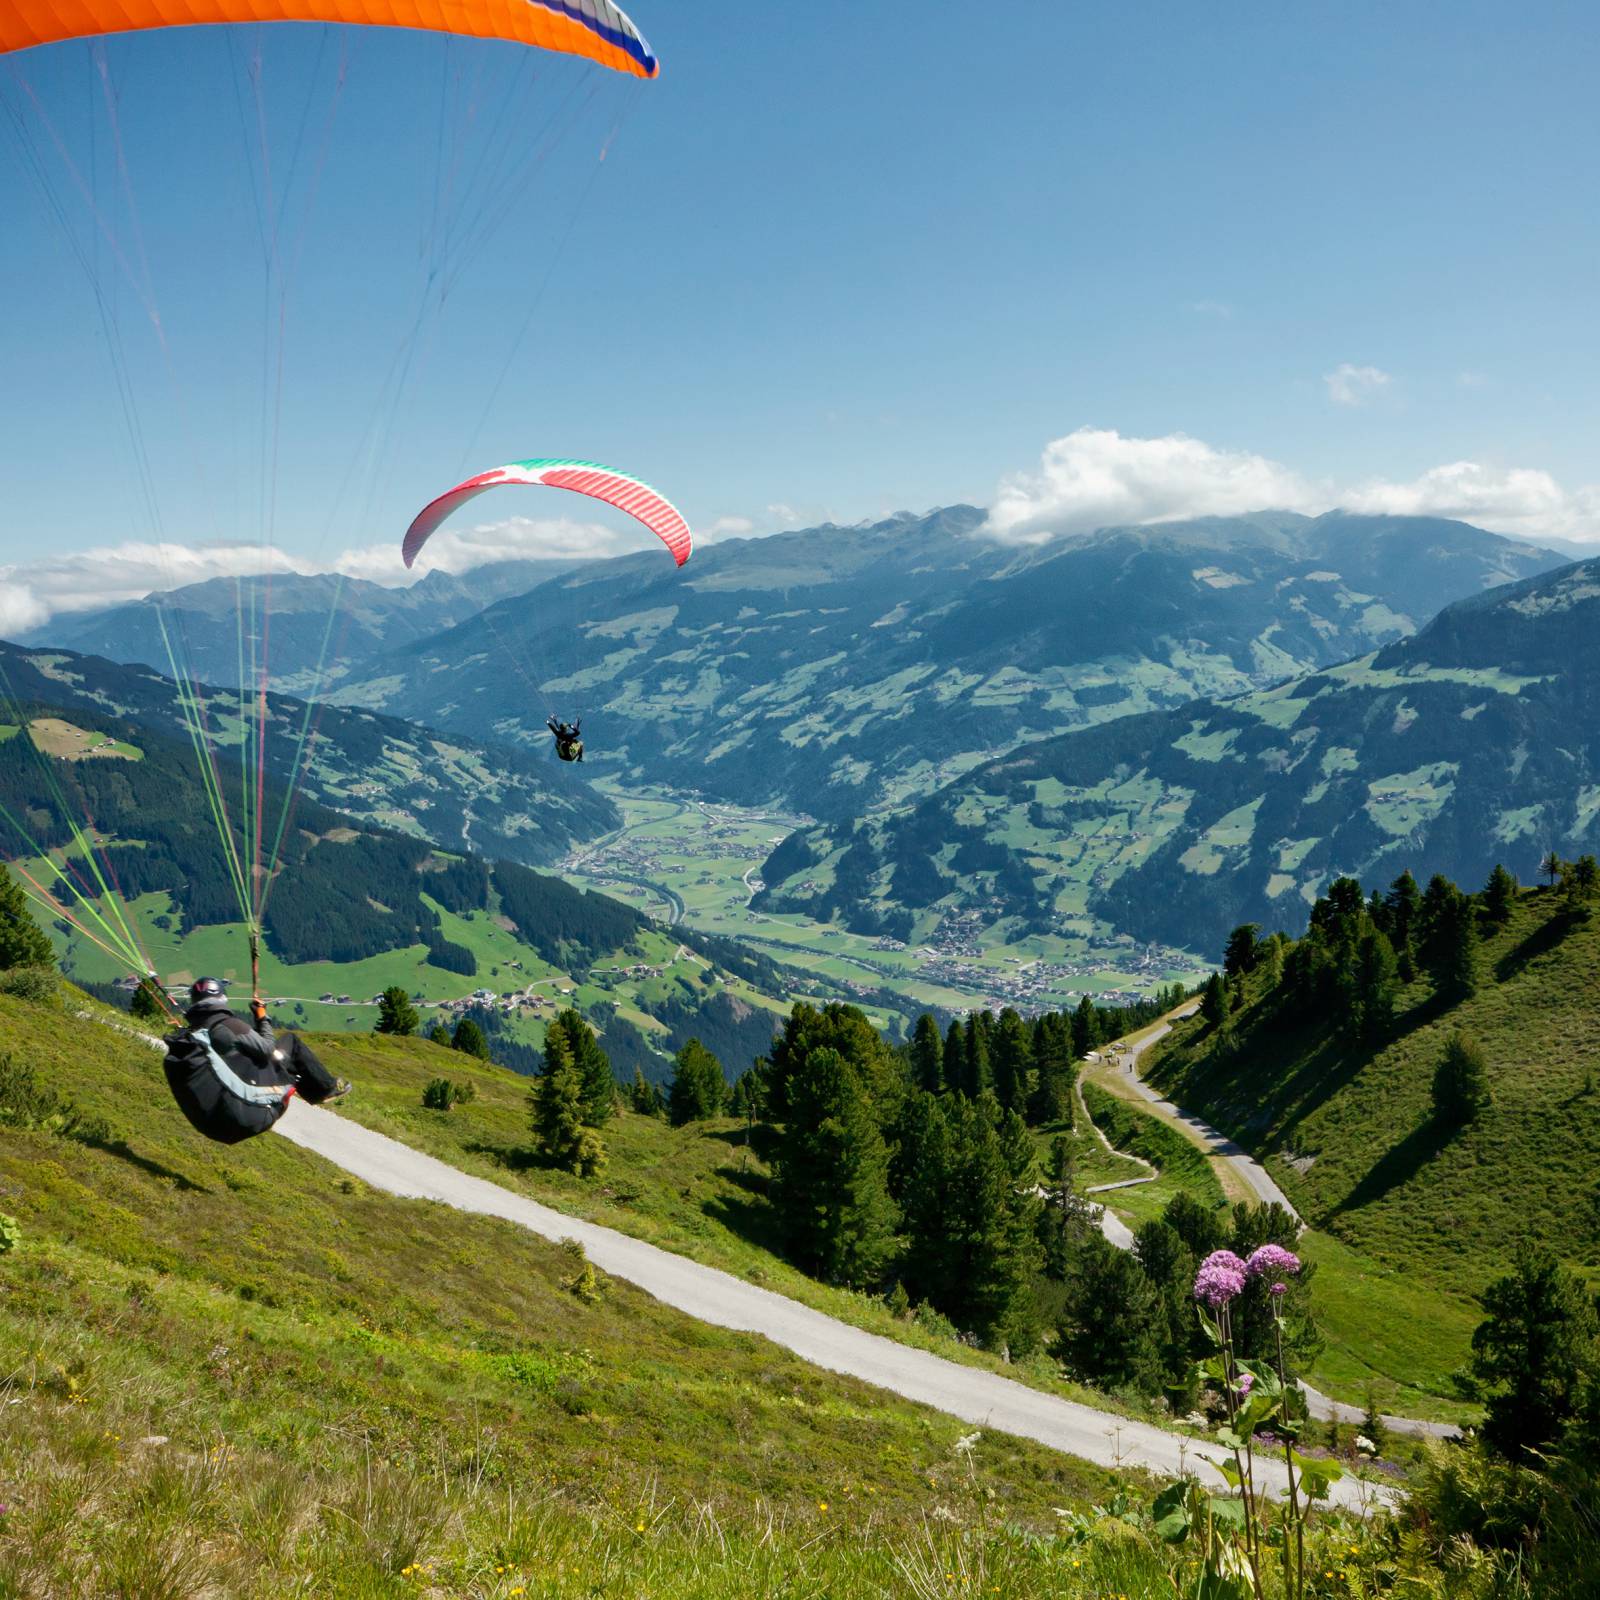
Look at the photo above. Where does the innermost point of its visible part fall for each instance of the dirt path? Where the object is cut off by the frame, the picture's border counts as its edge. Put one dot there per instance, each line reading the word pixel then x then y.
pixel 1120 1069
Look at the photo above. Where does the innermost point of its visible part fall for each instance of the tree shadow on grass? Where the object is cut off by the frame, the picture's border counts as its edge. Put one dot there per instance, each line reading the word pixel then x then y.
pixel 763 1139
pixel 1396 1166
pixel 123 1151
pixel 750 1215
pixel 1546 937
pixel 513 1157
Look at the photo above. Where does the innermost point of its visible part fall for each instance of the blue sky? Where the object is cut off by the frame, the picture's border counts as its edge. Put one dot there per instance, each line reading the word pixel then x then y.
pixel 839 259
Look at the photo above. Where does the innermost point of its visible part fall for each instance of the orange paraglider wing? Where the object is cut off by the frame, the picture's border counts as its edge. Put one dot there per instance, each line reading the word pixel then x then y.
pixel 595 29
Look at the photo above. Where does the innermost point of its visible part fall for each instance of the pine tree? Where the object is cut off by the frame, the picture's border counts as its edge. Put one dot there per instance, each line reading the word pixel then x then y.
pixel 1455 964
pixel 1053 1073
pixel 396 1014
pixel 1375 983
pixel 978 1072
pixel 1085 1029
pixel 144 1005
pixel 1111 1326
pixel 1461 1082
pixel 469 1040
pixel 955 1059
pixel 1403 905
pixel 1536 1351
pixel 22 942
pixel 439 1033
pixel 643 1095
pixel 1011 1057
pixel 1243 950
pixel 1551 867
pixel 557 1108
pixel 1580 880
pixel 698 1089
pixel 927 1055
pixel 830 1176
pixel 1214 1003
pixel 1499 896
pixel 593 1067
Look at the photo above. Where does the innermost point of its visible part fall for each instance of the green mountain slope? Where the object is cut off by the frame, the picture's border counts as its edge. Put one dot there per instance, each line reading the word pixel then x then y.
pixel 354 909
pixel 450 790
pixel 1477 740
pixel 231 1371
pixel 1348 1130
pixel 836 669
pixel 316 628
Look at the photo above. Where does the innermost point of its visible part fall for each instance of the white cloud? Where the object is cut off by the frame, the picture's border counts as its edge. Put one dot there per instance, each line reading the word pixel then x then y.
pixel 1096 478
pixel 1350 385
pixel 20 607
pixel 1521 500
pixel 726 528
pixel 108 574
pixel 1213 308
pixel 458 550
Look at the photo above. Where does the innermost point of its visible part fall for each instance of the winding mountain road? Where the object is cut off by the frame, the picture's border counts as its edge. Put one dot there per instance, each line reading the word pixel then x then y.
pixel 977 1396
pixel 1259 1181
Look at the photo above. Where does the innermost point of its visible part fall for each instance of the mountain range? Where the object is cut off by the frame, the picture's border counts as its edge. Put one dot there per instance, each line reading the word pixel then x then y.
pixel 841 669
pixel 1474 741
pixel 311 629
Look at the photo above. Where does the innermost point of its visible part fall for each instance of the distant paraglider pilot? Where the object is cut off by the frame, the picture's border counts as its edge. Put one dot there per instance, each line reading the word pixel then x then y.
pixel 233 1080
pixel 568 745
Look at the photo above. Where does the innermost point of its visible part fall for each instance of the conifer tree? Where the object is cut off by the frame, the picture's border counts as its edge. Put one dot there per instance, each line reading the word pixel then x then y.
pixel 1214 1003
pixel 396 1014
pixel 977 1069
pixel 643 1095
pixel 1537 1352
pixel 593 1067
pixel 1011 1059
pixel 1580 881
pixel 927 1055
pixel 955 1058
pixel 23 943
pixel 1243 950
pixel 1455 944
pixel 1403 907
pixel 1374 982
pixel 1111 1325
pixel 1085 1029
pixel 557 1111
pixel 1052 1072
pixel 1499 895
pixel 698 1089
pixel 1551 867
pixel 830 1175
pixel 439 1033
pixel 144 1005
pixel 469 1040
pixel 1461 1082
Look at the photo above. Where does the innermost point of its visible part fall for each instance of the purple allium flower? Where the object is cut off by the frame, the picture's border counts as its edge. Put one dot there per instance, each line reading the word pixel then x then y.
pixel 1272 1260
pixel 1220 1278
pixel 1244 1384
pixel 1278 1288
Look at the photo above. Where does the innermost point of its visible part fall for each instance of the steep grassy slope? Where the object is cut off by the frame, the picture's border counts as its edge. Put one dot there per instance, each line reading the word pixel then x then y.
pixel 1348 1131
pixel 1474 741
pixel 837 669
pixel 235 1372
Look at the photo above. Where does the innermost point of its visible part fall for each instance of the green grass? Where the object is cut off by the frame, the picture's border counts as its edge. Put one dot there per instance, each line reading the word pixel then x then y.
pixel 345 1384
pixel 695 1190
pixel 1183 1165
pixel 1371 1168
